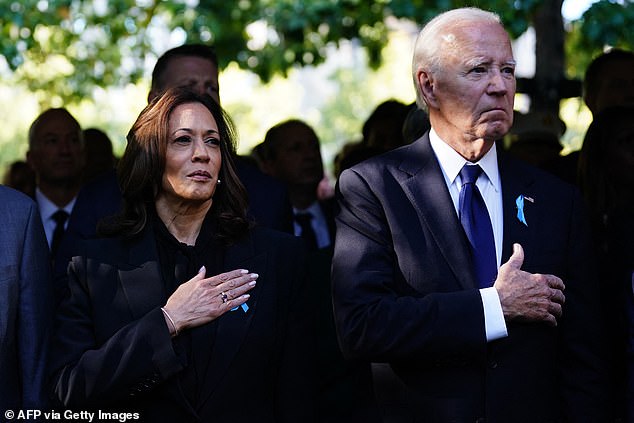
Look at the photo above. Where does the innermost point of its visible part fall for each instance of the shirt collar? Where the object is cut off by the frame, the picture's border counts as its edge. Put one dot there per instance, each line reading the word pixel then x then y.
pixel 47 208
pixel 451 162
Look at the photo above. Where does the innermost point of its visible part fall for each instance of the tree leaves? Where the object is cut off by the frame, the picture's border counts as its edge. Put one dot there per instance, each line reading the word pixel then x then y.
pixel 63 48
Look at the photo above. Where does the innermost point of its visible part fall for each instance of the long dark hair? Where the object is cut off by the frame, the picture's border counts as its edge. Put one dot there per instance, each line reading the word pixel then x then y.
pixel 140 170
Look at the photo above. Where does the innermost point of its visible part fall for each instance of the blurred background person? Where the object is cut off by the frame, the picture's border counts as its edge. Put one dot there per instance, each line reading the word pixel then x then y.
pixel 56 155
pixel 606 178
pixel 165 317
pixel 21 177
pixel 391 124
pixel 100 158
pixel 608 81
pixel 534 137
pixel 291 152
pixel 383 129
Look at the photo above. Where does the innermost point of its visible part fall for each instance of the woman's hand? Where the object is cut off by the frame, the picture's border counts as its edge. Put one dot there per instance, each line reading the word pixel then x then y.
pixel 201 300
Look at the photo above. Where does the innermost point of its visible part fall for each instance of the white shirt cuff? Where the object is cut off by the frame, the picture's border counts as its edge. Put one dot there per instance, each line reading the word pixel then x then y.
pixel 494 324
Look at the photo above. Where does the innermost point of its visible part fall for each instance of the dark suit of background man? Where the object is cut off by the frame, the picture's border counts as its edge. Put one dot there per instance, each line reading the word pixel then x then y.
pixel 404 275
pixel 25 304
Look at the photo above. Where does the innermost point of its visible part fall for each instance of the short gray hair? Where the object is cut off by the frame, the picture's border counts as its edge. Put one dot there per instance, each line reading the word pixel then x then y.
pixel 430 40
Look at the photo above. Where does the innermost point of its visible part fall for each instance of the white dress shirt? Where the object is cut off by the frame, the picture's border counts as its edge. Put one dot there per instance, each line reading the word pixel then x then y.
pixel 490 187
pixel 47 208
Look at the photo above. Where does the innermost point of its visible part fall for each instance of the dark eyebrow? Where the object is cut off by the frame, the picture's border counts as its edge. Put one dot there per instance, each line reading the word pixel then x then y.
pixel 189 131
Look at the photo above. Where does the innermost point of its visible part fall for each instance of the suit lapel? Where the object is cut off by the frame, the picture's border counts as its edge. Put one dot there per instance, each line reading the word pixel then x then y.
pixel 142 283
pixel 141 277
pixel 233 326
pixel 423 182
pixel 515 183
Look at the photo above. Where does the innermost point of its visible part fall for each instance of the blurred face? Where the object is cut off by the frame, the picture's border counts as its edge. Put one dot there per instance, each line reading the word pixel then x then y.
pixel 616 86
pixel 471 97
pixel 57 153
pixel 200 75
pixel 297 157
pixel 192 158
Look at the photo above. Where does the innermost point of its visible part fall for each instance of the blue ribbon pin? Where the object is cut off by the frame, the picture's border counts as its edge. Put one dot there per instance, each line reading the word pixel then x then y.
pixel 519 202
pixel 244 307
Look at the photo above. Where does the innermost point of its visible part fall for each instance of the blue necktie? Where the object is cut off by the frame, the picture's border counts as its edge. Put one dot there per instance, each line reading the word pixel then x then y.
pixel 477 225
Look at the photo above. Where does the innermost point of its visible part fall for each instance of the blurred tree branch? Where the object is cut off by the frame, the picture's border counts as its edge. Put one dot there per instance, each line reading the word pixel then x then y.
pixel 65 48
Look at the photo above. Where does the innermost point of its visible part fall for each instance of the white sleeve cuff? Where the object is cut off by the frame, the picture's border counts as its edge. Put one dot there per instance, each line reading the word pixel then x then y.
pixel 494 324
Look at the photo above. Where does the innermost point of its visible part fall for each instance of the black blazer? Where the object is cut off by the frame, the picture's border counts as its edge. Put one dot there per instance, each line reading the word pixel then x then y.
pixel 113 350
pixel 404 293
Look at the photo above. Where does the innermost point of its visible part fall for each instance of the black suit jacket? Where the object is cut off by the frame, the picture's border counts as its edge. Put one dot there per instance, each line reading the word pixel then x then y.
pixel 113 350
pixel 404 292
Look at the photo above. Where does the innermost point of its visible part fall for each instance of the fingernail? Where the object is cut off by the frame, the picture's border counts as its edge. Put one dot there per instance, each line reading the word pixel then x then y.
pixel 202 269
pixel 254 275
pixel 252 283
pixel 246 296
pixel 244 272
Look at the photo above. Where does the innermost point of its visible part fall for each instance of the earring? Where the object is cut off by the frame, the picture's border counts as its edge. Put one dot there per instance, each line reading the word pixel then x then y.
pixel 218 181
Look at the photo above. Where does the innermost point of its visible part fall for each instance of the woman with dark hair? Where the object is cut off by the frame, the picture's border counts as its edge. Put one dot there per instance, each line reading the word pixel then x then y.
pixel 606 178
pixel 164 317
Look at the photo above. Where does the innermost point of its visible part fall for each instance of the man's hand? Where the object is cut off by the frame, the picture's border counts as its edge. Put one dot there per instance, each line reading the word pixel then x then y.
pixel 527 296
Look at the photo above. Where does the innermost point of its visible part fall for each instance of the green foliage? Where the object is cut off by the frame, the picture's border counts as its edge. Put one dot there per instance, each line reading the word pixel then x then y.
pixel 62 49
pixel 58 51
pixel 604 24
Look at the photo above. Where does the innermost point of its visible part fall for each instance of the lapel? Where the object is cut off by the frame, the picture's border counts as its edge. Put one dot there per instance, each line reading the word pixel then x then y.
pixel 136 270
pixel 422 181
pixel 516 181
pixel 233 325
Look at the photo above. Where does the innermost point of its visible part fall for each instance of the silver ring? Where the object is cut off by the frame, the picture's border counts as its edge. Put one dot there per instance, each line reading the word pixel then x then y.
pixel 224 297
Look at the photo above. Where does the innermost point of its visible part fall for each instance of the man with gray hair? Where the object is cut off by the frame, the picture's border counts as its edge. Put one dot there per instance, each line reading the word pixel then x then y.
pixel 469 272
